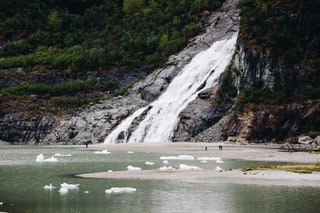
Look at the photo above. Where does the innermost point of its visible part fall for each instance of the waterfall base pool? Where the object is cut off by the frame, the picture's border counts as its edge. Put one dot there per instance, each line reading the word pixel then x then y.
pixel 22 182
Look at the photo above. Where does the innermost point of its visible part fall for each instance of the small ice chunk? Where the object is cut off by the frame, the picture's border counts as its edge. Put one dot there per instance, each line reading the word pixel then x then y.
pixel 149 163
pixel 52 159
pixel 63 190
pixel 62 155
pixel 219 161
pixel 49 187
pixel 186 167
pixel 131 168
pixel 218 169
pixel 209 158
pixel 165 162
pixel 166 168
pixel 130 152
pixel 69 186
pixel 203 161
pixel 102 152
pixel 179 157
pixel 117 190
pixel 40 158
pixel 86 192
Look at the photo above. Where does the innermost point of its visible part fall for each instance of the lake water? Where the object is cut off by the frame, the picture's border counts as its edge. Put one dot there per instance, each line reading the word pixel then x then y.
pixel 22 180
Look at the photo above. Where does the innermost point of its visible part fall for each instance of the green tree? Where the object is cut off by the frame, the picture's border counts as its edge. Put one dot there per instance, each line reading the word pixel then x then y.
pixel 132 6
pixel 53 19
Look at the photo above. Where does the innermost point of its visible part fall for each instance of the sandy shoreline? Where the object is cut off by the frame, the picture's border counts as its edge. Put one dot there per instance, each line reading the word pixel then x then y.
pixel 230 151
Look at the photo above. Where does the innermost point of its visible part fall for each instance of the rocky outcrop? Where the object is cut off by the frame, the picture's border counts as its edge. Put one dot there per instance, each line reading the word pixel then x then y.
pixel 265 123
pixel 201 114
pixel 21 128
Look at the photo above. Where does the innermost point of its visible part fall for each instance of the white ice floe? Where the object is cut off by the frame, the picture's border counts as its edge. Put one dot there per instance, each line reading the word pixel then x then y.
pixel 179 157
pixel 203 161
pixel 149 163
pixel 62 155
pixel 219 161
pixel 102 152
pixel 130 152
pixel 40 158
pixel 52 159
pixel 86 192
pixel 186 167
pixel 1 203
pixel 218 169
pixel 165 162
pixel 63 190
pixel 166 168
pixel 131 168
pixel 117 190
pixel 69 186
pixel 110 170
pixel 49 187
pixel 209 158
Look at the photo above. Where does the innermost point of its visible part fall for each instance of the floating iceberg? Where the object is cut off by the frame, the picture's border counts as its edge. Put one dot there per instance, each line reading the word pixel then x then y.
pixel 40 158
pixel 130 152
pixel 69 186
pixel 165 162
pixel 219 161
pixel 63 190
pixel 62 155
pixel 49 187
pixel 117 190
pixel 52 159
pixel 218 169
pixel 186 167
pixel 149 163
pixel 102 152
pixel 180 157
pixel 166 168
pixel 209 158
pixel 131 168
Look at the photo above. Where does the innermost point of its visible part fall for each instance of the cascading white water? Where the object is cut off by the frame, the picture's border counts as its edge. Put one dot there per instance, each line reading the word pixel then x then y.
pixel 201 73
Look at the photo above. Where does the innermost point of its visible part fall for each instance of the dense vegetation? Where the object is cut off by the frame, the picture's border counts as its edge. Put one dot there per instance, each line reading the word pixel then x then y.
pixel 286 32
pixel 77 36
pixel 87 35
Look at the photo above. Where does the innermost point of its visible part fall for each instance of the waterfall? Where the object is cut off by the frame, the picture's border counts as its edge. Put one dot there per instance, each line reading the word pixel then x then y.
pixel 202 72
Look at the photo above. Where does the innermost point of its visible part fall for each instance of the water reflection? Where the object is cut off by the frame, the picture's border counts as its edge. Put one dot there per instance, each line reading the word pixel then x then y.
pixel 173 196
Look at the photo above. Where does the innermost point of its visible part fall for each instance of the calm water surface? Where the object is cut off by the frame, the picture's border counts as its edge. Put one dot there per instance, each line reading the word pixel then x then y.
pixel 22 180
